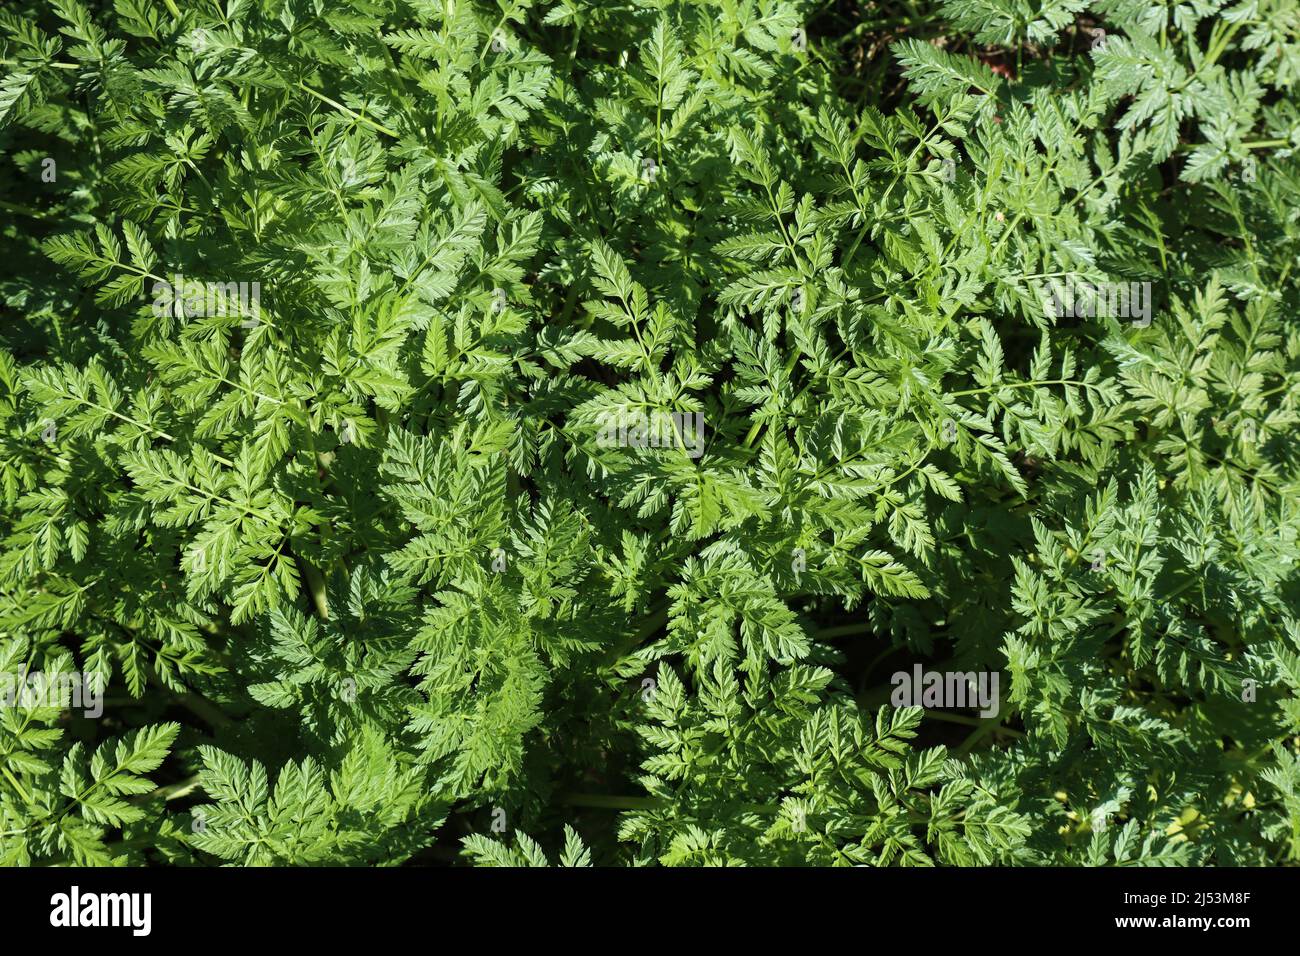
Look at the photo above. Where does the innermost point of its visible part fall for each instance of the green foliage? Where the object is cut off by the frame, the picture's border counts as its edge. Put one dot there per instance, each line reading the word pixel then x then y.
pixel 336 335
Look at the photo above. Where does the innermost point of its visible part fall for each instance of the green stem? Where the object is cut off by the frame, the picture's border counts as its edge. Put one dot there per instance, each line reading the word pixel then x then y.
pixel 22 210
pixel 173 791
pixel 316 586
pixel 61 66
pixel 13 782
pixel 352 113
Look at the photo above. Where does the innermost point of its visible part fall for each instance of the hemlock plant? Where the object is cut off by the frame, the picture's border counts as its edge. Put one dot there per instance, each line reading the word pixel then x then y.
pixel 354 358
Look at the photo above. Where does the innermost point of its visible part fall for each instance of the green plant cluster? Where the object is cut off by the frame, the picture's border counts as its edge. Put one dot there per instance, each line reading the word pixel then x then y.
pixel 362 577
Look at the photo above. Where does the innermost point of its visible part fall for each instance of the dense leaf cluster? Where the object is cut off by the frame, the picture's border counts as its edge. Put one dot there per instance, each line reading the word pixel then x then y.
pixel 362 578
